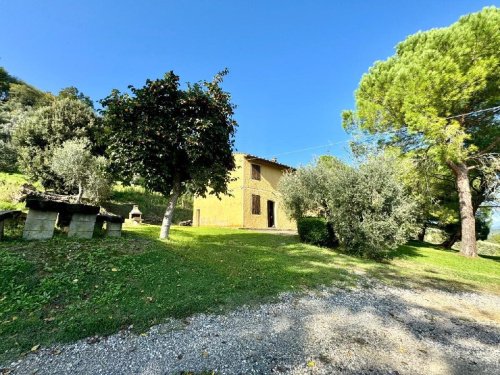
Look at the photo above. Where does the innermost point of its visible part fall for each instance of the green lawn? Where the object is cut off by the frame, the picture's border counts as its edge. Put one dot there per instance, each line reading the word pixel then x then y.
pixel 62 289
pixel 10 183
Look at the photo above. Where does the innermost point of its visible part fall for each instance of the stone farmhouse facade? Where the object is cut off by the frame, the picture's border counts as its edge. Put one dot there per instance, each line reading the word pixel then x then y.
pixel 254 201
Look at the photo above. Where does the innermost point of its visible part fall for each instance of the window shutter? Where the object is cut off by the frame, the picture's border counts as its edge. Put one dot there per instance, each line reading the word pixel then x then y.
pixel 255 172
pixel 255 204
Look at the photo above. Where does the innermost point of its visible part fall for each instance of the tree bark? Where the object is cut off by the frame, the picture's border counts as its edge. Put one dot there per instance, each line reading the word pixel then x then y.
pixel 80 193
pixel 169 213
pixel 450 241
pixel 421 234
pixel 467 220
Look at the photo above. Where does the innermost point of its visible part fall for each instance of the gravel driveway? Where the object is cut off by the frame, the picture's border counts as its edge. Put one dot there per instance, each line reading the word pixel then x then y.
pixel 373 329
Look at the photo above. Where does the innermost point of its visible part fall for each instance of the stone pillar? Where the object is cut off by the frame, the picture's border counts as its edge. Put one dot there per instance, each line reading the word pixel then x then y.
pixel 1 229
pixel 39 225
pixel 82 226
pixel 113 229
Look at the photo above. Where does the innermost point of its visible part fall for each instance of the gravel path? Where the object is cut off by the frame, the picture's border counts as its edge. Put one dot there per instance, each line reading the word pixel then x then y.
pixel 369 330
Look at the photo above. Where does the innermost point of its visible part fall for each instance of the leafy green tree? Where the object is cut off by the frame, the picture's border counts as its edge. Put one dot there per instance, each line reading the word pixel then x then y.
pixel 28 96
pixel 173 137
pixel 46 128
pixel 72 92
pixel 433 98
pixel 16 100
pixel 4 83
pixel 75 164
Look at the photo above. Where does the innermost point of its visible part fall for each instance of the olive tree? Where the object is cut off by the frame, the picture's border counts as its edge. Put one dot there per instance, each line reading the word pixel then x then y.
pixel 78 168
pixel 370 210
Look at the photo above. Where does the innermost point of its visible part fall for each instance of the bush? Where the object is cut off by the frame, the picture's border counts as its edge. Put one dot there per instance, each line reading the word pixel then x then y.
pixel 367 204
pixel 373 213
pixel 316 231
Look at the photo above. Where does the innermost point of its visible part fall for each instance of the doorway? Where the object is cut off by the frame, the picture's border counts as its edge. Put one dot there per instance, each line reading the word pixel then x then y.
pixel 270 214
pixel 197 222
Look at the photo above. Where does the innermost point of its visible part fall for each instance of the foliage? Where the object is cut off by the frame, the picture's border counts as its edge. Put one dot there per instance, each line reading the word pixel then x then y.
pixel 413 98
pixel 99 183
pixel 46 128
pixel 79 169
pixel 16 100
pixel 495 238
pixel 63 290
pixel 28 96
pixel 483 223
pixel 8 160
pixel 72 92
pixel 303 190
pixel 172 137
pixel 316 231
pixel 4 83
pixel 370 210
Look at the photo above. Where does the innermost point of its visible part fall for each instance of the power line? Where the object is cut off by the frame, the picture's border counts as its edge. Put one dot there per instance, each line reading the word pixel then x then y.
pixel 311 148
pixel 474 112
pixel 337 143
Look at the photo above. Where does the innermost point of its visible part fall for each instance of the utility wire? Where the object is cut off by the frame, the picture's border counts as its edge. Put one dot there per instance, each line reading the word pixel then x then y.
pixel 311 148
pixel 337 143
pixel 474 112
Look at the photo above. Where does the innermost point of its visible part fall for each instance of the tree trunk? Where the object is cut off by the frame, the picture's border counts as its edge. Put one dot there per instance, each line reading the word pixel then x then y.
pixel 169 213
pixel 448 243
pixel 454 237
pixel 421 234
pixel 467 219
pixel 80 193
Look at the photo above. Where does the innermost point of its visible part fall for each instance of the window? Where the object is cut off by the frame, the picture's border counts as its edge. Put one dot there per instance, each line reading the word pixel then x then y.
pixel 255 172
pixel 255 204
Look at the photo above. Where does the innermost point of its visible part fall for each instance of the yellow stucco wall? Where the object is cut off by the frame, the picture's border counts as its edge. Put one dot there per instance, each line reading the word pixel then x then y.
pixel 236 211
pixel 266 188
pixel 224 212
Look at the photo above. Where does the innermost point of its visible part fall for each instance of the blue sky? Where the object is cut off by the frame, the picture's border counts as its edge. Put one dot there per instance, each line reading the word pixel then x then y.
pixel 294 65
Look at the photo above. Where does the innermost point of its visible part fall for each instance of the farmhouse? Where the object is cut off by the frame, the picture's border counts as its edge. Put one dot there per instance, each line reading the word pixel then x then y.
pixel 254 201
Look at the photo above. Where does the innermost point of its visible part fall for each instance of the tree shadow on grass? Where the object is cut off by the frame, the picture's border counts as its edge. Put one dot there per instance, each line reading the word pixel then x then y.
pixel 491 257
pixel 195 272
pixel 283 262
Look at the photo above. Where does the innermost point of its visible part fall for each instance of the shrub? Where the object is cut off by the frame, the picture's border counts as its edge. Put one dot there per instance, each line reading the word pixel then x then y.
pixel 316 231
pixel 367 205
pixel 371 211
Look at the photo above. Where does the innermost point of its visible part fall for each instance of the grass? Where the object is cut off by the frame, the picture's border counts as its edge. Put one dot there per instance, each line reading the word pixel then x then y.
pixel 64 289
pixel 9 188
pixel 151 204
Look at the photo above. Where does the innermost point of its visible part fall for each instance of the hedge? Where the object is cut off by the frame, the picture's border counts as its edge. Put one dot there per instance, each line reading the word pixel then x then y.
pixel 316 231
